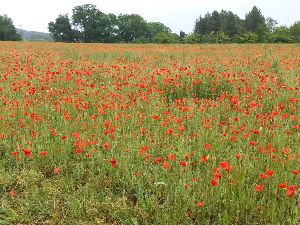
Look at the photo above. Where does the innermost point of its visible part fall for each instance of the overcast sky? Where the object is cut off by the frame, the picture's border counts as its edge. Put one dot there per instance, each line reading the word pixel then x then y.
pixel 179 15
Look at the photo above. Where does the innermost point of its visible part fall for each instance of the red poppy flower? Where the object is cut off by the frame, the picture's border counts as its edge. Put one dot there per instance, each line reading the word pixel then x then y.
pixel 113 163
pixel 259 187
pixel 200 204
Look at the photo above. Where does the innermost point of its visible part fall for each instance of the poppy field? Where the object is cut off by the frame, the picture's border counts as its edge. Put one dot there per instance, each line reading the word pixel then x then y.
pixel 149 134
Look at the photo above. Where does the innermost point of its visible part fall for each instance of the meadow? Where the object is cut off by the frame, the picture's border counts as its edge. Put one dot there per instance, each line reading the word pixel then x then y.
pixel 149 134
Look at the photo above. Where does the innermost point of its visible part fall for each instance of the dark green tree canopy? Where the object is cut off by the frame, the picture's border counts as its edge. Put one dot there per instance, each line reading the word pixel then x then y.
pixel 254 20
pixel 61 30
pixel 132 27
pixel 8 31
pixel 225 21
pixel 91 25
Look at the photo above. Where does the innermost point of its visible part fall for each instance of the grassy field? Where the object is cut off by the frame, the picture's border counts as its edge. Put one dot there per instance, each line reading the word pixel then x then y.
pixel 149 134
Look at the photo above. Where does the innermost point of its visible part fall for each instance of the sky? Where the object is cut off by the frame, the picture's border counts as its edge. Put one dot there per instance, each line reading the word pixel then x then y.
pixel 34 15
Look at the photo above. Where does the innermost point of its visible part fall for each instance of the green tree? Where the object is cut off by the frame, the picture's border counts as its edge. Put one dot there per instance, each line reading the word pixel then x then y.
pixel 8 31
pixel 93 25
pixel 192 38
pixel 282 34
pixel 132 27
pixel 254 20
pixel 153 28
pixel 61 30
pixel 166 38
pixel 271 24
pixel 231 24
pixel 295 31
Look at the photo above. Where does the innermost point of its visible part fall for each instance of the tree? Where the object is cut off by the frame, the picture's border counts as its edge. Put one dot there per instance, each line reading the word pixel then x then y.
pixel 61 30
pixel 153 28
pixel 92 24
pixel 271 24
pixel 254 19
pixel 231 24
pixel 295 31
pixel 8 31
pixel 166 38
pixel 282 34
pixel 225 21
pixel 182 36
pixel 132 27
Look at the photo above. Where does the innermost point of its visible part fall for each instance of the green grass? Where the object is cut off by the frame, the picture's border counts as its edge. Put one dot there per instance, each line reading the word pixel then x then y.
pixel 94 104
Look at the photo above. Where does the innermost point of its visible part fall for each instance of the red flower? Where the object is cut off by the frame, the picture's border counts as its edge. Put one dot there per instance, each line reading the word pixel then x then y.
pixel 259 188
pixel 171 157
pixel 270 172
pixel 75 135
pixel 183 164
pixel 78 150
pixel 15 153
pixel 106 146
pixel 27 152
pixel 158 160
pixel 237 156
pixel 170 131
pixel 282 185
pixel 165 165
pixel 207 146
pixel 291 190
pixel 43 153
pixel 214 182
pixel 12 193
pixel 224 165
pixel 143 149
pixel 203 159
pixel 113 162
pixel 296 172
pixel 200 204
pixel 56 170
pixel 263 176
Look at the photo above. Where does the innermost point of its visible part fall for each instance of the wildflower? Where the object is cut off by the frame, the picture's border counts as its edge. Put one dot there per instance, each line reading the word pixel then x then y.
pixel 200 204
pixel 207 147
pixel 282 185
pixel 214 183
pixel 165 165
pixel 203 159
pixel 106 146
pixel 56 170
pixel 113 163
pixel 43 153
pixel 259 187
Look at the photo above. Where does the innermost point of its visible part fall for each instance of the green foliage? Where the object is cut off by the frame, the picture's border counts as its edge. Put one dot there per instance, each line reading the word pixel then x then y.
pixel 166 38
pixel 254 19
pixel 61 29
pixel 248 37
pixel 225 21
pixel 92 24
pixel 131 27
pixel 8 31
pixel 192 38
pixel 282 34
pixel 295 31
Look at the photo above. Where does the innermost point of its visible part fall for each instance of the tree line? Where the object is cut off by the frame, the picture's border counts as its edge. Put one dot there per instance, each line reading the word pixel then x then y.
pixel 88 24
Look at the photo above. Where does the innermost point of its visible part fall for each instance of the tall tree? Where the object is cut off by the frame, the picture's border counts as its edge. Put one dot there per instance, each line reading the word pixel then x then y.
pixel 231 24
pixel 61 30
pixel 8 31
pixel 93 25
pixel 295 31
pixel 254 20
pixel 131 27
